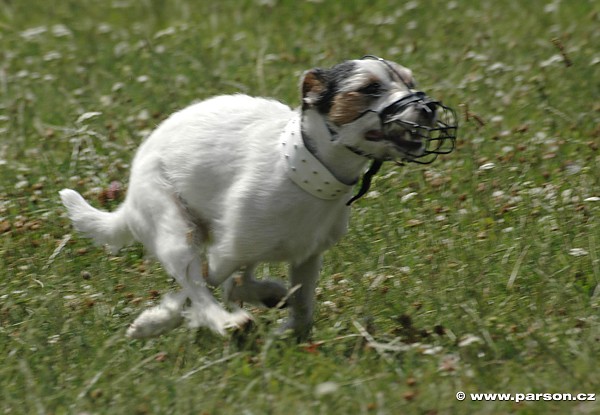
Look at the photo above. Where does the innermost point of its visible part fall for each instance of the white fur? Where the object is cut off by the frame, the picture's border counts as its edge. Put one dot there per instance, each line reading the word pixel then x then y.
pixel 222 157
pixel 162 318
pixel 211 177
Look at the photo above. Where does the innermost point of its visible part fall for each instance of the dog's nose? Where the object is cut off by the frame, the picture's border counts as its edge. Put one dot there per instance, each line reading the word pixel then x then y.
pixel 428 110
pixel 432 105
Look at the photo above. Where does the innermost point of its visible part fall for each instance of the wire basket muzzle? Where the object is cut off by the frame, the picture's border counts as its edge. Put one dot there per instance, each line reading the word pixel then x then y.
pixel 438 138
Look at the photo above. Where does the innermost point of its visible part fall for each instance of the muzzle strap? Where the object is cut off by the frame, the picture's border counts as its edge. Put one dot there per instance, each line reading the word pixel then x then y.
pixel 366 181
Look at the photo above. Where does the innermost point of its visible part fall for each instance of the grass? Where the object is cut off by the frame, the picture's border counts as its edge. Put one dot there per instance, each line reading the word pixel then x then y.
pixel 479 273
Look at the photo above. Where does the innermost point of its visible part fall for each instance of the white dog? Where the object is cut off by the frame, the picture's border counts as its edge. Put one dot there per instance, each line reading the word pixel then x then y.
pixel 233 181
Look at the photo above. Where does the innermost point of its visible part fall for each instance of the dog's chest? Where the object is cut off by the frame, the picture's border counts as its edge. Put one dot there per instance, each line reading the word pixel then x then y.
pixel 308 231
pixel 290 231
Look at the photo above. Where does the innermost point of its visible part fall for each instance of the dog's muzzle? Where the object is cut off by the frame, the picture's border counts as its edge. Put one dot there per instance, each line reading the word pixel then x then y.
pixel 425 142
pixel 431 134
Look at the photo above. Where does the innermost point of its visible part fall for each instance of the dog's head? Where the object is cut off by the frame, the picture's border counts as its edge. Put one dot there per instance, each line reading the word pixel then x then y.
pixel 371 106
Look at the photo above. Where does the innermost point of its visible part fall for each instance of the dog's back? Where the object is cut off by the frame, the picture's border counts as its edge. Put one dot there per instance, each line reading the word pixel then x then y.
pixel 221 134
pixel 205 148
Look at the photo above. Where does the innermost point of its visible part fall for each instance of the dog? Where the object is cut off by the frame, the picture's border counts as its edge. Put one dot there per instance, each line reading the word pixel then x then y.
pixel 234 181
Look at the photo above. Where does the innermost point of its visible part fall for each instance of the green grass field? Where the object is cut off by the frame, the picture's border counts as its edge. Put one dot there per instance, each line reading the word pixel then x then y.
pixel 479 273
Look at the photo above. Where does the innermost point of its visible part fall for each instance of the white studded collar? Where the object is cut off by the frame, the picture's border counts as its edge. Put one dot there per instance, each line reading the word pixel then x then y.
pixel 305 169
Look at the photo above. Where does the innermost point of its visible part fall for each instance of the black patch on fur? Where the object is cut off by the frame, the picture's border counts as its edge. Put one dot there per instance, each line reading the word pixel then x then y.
pixel 332 78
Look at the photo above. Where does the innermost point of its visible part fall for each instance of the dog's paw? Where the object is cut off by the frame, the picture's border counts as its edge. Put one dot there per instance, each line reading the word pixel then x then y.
pixel 301 329
pixel 268 293
pixel 215 318
pixel 154 322
pixel 160 319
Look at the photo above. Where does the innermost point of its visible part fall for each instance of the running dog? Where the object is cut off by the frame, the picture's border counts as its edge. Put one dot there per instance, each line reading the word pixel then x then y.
pixel 234 181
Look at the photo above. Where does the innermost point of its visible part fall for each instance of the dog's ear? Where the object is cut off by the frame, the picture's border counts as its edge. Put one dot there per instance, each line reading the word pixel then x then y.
pixel 319 86
pixel 314 86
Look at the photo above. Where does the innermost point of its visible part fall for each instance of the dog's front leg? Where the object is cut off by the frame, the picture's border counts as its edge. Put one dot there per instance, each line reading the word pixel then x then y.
pixel 304 276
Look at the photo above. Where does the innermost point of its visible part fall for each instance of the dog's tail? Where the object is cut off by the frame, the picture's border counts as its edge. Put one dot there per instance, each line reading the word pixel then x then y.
pixel 105 228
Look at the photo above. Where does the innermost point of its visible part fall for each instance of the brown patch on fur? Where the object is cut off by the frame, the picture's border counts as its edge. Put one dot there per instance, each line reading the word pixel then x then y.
pixel 347 107
pixel 199 231
pixel 312 86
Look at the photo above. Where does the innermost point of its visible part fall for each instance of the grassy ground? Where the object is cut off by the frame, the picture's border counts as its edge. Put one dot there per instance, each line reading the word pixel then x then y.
pixel 479 273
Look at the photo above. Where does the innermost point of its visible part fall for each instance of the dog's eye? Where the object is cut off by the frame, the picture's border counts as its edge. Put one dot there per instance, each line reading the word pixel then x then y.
pixel 374 88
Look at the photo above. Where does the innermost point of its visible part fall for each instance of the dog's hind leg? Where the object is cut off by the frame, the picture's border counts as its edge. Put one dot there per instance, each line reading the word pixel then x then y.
pixel 164 230
pixel 245 288
pixel 203 309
